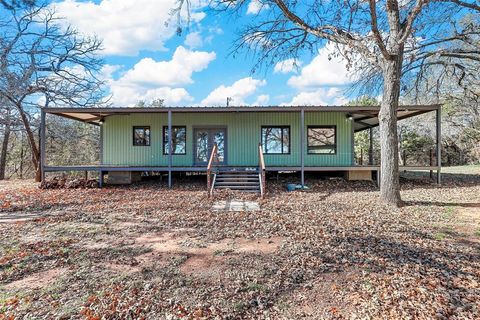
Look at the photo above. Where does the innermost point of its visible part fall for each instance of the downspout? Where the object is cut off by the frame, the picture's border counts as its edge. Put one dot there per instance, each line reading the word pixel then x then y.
pixel 100 172
pixel 302 145
pixel 170 148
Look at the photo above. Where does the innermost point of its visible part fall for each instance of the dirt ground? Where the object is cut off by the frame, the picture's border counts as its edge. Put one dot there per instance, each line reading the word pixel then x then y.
pixel 334 252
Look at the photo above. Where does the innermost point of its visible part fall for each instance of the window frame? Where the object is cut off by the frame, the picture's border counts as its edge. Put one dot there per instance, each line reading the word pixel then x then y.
pixel 282 127
pixel 335 145
pixel 149 136
pixel 164 131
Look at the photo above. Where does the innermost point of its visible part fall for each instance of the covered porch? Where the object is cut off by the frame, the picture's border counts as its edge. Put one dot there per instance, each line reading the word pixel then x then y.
pixel 362 118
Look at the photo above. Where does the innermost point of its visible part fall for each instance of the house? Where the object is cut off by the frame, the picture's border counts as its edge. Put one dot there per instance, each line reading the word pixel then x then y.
pixel 231 144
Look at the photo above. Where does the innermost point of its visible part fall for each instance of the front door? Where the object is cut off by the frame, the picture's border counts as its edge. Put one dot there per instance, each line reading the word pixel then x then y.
pixel 204 139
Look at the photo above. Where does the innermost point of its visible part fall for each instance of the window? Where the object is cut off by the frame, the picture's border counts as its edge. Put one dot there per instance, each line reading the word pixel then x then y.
pixel 322 140
pixel 276 140
pixel 141 136
pixel 179 140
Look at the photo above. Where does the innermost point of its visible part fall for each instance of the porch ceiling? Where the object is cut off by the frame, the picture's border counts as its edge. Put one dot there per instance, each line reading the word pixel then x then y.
pixel 364 117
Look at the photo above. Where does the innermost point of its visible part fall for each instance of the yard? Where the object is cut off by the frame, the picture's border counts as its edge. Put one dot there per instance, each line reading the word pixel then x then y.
pixel 144 251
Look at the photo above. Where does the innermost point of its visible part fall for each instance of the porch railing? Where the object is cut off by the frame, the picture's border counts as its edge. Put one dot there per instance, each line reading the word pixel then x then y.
pixel 211 162
pixel 261 170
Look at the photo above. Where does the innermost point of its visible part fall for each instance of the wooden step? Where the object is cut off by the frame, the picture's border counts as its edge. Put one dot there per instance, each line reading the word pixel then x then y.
pixel 237 174
pixel 239 187
pixel 236 178
pixel 242 183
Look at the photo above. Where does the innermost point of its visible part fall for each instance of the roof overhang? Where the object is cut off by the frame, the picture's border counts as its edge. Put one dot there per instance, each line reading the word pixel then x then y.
pixel 364 117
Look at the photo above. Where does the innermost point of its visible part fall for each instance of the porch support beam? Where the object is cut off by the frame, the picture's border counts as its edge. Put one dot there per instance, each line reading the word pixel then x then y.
pixel 170 149
pixel 302 146
pixel 42 144
pixel 352 129
pixel 439 143
pixel 100 172
pixel 370 146
pixel 101 144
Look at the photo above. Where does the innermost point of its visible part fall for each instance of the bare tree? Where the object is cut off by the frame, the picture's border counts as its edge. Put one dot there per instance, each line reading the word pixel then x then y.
pixel 376 35
pixel 44 63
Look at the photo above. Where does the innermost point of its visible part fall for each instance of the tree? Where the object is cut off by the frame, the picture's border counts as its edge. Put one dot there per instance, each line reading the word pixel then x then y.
pixel 385 36
pixel 43 63
pixel 8 122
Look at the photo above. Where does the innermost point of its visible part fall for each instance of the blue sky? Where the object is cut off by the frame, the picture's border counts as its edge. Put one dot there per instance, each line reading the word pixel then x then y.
pixel 146 60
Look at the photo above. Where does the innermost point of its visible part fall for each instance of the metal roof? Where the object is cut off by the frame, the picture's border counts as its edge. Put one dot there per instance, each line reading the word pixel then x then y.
pixel 364 117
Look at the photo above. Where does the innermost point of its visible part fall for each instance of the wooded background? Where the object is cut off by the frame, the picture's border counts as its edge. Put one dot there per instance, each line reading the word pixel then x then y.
pixel 44 64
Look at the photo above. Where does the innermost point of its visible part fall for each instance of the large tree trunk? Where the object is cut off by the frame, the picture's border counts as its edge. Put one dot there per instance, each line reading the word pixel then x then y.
pixel 3 152
pixel 389 175
pixel 33 145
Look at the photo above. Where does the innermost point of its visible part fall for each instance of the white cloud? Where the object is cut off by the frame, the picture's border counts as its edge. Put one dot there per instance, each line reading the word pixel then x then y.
pixel 125 26
pixel 193 40
pixel 238 91
pixel 149 79
pixel 287 66
pixel 178 71
pixel 322 71
pixel 318 97
pixel 108 70
pixel 262 100
pixel 255 6
pixel 128 96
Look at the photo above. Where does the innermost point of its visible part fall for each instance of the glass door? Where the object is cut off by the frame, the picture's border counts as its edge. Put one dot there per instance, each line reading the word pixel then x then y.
pixel 204 139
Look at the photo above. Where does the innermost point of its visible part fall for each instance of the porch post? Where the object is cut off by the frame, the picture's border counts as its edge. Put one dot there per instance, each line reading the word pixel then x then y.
pixel 370 147
pixel 100 172
pixel 439 143
pixel 170 148
pixel 101 143
pixel 302 145
pixel 42 144
pixel 352 125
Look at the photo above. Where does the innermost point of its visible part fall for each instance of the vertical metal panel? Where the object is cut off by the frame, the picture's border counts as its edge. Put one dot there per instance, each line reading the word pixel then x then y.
pixel 243 136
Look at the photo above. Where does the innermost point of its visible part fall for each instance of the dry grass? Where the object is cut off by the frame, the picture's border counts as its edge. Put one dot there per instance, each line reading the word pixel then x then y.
pixel 333 252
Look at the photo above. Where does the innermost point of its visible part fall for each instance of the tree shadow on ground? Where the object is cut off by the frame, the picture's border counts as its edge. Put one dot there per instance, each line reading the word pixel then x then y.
pixel 442 204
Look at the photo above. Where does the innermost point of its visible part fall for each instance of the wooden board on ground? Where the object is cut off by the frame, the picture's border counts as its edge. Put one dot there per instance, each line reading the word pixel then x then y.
pixel 123 177
pixel 363 175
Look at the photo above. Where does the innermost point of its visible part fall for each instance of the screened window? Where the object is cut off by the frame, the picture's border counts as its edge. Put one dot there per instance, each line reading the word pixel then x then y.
pixel 276 140
pixel 179 140
pixel 141 136
pixel 322 140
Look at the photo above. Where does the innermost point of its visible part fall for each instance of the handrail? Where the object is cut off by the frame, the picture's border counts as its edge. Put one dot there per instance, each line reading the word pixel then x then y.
pixel 213 156
pixel 261 169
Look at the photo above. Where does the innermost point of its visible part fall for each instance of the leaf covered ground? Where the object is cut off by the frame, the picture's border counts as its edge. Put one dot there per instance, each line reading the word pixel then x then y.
pixel 335 252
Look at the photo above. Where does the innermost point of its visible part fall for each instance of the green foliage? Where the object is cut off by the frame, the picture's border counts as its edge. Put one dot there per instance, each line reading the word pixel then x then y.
pixel 72 142
pixel 416 147
pixel 439 236
pixel 364 101
pixel 362 138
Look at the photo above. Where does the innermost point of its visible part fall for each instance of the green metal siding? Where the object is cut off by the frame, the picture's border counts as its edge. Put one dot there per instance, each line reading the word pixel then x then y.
pixel 243 136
